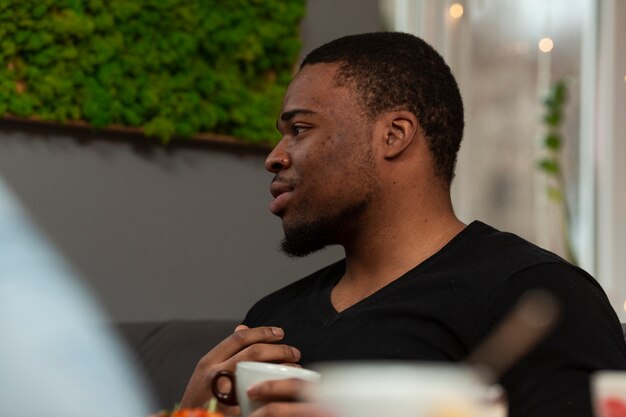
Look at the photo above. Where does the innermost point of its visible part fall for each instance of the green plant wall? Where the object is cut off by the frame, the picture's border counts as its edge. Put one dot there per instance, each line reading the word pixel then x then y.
pixel 171 67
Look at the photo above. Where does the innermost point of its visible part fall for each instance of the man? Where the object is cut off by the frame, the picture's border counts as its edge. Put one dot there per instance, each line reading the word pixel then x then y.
pixel 371 126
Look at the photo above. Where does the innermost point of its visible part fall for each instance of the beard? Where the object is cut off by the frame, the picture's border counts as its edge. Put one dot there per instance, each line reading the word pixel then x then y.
pixel 332 227
pixel 309 237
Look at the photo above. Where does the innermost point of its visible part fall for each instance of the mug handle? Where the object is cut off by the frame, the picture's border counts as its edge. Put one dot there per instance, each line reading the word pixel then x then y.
pixel 227 398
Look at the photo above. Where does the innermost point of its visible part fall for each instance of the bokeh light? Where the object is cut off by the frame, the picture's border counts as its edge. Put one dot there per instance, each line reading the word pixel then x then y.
pixel 546 45
pixel 456 10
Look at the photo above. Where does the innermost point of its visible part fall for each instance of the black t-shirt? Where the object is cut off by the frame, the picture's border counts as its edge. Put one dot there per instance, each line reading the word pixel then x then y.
pixel 441 309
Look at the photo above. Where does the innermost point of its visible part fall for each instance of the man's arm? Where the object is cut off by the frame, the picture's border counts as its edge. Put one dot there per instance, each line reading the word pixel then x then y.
pixel 245 344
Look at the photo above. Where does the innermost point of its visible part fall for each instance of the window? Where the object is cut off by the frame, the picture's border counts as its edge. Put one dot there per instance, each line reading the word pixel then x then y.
pixel 505 55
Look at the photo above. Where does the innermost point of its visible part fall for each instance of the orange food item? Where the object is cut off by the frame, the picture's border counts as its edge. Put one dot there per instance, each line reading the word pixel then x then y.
pixel 195 412
pixel 188 412
pixel 209 411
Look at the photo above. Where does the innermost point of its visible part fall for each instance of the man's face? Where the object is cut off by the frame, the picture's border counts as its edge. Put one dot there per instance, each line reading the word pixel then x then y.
pixel 324 164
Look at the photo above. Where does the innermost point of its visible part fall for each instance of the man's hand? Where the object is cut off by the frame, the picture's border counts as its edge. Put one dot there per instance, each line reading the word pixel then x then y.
pixel 245 344
pixel 282 399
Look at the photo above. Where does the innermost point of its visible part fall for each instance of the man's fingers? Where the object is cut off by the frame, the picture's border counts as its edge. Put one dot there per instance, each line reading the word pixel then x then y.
pixel 280 397
pixel 241 327
pixel 295 365
pixel 281 390
pixel 266 352
pixel 241 339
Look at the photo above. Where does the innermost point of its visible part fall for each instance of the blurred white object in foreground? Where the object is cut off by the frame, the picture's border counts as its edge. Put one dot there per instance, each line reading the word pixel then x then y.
pixel 401 389
pixel 57 356
pixel 608 389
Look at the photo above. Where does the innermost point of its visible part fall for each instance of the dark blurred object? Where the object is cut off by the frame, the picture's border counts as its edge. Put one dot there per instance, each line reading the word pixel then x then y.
pixel 527 324
pixel 167 352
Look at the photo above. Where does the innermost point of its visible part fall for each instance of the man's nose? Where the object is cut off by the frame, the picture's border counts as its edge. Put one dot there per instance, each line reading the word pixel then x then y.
pixel 278 159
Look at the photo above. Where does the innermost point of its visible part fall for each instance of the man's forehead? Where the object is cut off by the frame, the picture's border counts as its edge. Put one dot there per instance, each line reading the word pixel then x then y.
pixel 326 70
pixel 315 76
pixel 312 88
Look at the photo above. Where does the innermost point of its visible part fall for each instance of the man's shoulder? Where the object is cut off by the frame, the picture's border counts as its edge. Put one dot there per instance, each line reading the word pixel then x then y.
pixel 485 261
pixel 489 241
pixel 505 253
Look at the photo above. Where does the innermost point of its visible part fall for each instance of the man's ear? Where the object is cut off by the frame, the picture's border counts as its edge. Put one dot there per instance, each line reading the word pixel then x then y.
pixel 401 129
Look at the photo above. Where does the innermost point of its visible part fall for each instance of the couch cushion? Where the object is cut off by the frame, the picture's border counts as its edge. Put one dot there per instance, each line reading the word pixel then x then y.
pixel 167 352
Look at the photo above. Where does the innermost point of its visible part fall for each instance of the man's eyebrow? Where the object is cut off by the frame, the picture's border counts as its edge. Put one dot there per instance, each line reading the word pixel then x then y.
pixel 288 115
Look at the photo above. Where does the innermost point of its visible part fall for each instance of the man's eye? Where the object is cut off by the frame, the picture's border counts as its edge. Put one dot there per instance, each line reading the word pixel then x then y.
pixel 297 129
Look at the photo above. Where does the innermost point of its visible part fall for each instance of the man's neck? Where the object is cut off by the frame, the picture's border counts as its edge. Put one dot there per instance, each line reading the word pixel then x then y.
pixel 384 253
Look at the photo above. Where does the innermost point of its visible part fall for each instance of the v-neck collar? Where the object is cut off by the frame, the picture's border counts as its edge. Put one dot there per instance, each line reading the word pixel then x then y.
pixel 321 296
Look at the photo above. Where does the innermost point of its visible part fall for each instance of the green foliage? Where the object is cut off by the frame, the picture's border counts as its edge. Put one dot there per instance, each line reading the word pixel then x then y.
pixel 551 164
pixel 554 106
pixel 173 67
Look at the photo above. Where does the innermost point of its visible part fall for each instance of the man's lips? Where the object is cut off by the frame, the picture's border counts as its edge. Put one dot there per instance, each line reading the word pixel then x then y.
pixel 281 192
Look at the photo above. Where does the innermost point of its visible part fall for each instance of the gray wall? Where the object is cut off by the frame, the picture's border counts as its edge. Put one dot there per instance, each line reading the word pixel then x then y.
pixel 330 19
pixel 157 232
pixel 160 232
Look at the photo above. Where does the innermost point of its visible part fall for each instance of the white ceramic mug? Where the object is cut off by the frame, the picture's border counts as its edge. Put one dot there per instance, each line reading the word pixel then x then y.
pixel 250 373
pixel 399 389
pixel 608 389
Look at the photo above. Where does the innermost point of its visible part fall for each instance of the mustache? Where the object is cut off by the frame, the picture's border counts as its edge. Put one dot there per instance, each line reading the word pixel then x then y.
pixel 292 183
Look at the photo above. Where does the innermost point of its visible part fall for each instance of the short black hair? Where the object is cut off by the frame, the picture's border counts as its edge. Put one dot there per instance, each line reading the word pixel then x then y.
pixel 394 71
